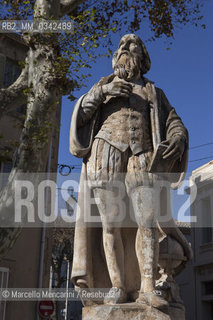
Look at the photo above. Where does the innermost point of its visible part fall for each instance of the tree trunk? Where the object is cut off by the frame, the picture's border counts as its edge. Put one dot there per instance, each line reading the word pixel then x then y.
pixel 43 98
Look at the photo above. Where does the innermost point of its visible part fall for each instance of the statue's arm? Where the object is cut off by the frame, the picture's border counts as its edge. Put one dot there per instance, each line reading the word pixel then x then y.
pixel 97 95
pixel 174 124
pixel 92 100
pixel 176 133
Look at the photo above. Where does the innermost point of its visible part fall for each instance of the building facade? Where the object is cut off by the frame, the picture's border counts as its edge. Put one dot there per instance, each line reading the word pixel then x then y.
pixel 196 281
pixel 202 240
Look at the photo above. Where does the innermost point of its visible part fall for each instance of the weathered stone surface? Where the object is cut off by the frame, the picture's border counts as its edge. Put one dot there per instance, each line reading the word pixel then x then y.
pixel 119 127
pixel 177 312
pixel 128 311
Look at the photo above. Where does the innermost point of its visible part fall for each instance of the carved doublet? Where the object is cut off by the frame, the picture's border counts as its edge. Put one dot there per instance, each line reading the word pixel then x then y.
pixel 125 122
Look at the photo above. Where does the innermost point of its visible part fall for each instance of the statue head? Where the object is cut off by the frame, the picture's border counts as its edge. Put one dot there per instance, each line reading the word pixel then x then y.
pixel 131 57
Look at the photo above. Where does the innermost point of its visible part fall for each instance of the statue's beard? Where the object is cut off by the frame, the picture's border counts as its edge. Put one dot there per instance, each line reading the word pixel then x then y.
pixel 128 66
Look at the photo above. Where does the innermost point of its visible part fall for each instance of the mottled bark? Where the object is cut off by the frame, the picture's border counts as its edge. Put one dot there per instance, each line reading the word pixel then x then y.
pixel 68 6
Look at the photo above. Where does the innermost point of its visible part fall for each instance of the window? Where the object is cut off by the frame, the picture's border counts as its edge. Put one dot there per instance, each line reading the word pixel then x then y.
pixel 2 68
pixel 11 72
pixel 206 220
pixel 5 168
pixel 4 276
pixel 22 109
pixel 208 288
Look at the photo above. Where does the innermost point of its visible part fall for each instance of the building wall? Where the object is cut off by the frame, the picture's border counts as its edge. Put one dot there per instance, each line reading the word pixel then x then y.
pixel 202 242
pixel 23 264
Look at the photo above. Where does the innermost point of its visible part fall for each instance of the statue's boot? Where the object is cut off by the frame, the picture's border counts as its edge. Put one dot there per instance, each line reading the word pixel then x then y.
pixel 153 299
pixel 81 283
pixel 115 296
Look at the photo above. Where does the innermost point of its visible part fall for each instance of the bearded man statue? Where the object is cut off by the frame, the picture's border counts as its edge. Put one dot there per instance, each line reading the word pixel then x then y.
pixel 117 128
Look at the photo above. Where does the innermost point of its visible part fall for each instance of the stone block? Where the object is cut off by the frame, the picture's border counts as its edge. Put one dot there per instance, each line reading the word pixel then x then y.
pixel 127 311
pixel 177 311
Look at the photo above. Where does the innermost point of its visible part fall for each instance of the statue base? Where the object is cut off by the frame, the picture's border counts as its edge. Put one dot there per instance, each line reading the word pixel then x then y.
pixel 177 311
pixel 124 311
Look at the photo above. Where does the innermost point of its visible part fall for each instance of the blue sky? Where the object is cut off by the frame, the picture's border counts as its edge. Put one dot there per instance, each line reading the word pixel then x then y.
pixel 184 73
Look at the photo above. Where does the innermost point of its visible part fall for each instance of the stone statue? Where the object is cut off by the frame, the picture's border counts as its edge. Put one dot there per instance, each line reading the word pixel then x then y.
pixel 117 128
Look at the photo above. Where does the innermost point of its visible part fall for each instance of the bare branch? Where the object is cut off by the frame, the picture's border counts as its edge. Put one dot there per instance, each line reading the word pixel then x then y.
pixel 67 6
pixel 13 96
pixel 46 8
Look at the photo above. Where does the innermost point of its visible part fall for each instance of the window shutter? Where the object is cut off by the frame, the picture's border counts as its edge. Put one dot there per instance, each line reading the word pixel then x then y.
pixel 2 68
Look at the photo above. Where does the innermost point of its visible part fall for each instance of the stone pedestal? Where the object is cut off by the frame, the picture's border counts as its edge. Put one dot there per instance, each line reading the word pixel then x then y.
pixel 177 311
pixel 125 311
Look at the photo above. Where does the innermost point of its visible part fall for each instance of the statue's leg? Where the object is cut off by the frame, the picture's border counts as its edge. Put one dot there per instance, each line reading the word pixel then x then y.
pixel 105 167
pixel 112 242
pixel 147 248
pixel 147 245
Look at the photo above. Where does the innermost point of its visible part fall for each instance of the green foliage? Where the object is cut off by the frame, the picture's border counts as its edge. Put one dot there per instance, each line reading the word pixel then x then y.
pixel 17 9
pixel 5 154
pixel 39 134
pixel 94 23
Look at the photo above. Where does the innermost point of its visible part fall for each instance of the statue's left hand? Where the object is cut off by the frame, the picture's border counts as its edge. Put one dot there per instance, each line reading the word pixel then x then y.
pixel 175 149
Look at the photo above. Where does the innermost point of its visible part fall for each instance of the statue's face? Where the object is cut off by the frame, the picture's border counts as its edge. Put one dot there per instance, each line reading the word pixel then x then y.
pixel 130 44
pixel 127 59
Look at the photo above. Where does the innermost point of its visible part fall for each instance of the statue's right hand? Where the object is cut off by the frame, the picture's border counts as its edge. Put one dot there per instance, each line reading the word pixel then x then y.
pixel 117 89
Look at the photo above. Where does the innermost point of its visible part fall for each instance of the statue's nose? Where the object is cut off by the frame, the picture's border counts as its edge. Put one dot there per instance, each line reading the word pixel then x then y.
pixel 125 46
